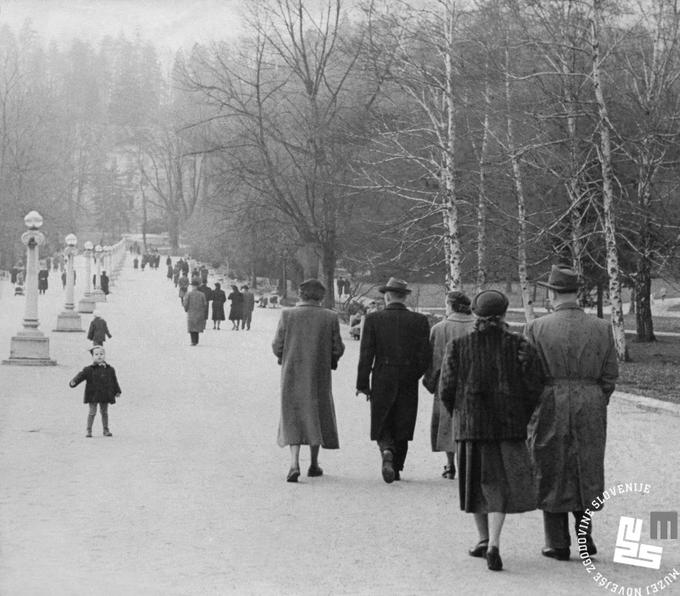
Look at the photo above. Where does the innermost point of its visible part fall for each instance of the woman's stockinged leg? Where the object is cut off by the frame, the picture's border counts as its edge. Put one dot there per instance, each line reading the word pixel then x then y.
pixel 496 520
pixel 482 523
pixel 295 457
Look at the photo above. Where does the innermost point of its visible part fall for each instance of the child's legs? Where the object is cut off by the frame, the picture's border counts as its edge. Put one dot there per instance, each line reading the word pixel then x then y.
pixel 90 416
pixel 104 409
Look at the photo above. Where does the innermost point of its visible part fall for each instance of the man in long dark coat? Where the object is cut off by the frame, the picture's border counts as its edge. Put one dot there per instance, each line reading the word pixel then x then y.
pixel 568 431
pixel 394 354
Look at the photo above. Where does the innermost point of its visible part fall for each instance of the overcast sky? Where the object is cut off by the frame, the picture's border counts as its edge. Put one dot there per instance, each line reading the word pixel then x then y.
pixel 168 23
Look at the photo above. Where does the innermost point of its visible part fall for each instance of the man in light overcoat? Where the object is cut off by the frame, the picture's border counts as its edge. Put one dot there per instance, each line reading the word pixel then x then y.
pixel 568 430
pixel 394 354
pixel 196 307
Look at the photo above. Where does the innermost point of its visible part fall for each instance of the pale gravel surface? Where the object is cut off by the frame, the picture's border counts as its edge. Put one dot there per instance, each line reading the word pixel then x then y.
pixel 188 497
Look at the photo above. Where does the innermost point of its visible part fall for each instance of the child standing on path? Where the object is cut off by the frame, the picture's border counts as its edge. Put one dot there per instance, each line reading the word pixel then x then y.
pixel 101 387
pixel 99 330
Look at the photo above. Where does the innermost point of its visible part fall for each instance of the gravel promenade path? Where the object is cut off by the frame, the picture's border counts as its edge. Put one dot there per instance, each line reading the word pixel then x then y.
pixel 189 495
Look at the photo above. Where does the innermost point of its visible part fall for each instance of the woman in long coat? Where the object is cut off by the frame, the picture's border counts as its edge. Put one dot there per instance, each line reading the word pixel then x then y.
pixel 195 305
pixel 236 310
pixel 308 346
pixel 218 300
pixel 459 321
pixel 43 276
pixel 183 283
pixel 491 381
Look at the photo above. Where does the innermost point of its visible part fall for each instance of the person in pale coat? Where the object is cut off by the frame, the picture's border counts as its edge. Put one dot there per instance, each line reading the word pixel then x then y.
pixel 459 321
pixel 568 431
pixel 308 346
pixel 195 305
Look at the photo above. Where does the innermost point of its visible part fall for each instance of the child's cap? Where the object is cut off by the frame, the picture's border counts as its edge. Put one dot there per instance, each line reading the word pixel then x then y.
pixel 93 348
pixel 95 313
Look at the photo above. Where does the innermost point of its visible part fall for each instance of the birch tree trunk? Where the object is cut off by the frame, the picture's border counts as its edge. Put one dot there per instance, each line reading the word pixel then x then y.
pixel 481 197
pixel 527 301
pixel 608 207
pixel 450 207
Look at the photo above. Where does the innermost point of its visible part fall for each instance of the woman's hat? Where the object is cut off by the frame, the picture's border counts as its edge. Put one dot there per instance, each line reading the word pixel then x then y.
pixel 395 285
pixel 562 279
pixel 312 284
pixel 489 303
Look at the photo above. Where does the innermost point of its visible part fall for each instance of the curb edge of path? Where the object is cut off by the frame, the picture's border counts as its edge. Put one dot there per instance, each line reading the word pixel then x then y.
pixel 649 404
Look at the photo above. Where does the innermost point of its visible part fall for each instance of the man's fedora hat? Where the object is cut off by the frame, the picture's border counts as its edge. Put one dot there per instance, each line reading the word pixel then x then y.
pixel 562 279
pixel 395 285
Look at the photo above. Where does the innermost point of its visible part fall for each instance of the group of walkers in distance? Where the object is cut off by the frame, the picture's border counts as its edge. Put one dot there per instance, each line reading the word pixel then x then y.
pixel 521 416
pixel 196 297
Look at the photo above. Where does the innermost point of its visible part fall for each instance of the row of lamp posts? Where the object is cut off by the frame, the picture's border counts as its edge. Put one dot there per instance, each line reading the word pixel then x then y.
pixel 30 346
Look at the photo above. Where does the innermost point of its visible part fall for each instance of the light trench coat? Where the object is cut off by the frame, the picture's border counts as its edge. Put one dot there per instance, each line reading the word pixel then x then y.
pixel 308 346
pixel 568 431
pixel 195 306
pixel 441 426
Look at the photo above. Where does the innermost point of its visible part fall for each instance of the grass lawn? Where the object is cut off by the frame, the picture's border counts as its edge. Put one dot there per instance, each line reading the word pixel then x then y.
pixel 654 368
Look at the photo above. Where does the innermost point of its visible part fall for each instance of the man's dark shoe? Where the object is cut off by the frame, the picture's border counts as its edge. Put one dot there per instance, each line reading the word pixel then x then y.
pixel 561 554
pixel 387 467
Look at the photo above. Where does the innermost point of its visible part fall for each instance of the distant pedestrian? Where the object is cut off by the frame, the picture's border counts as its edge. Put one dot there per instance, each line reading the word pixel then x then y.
pixel 101 387
pixel 662 294
pixel 491 380
pixel 183 283
pixel 236 309
pixel 394 353
pixel 43 276
pixel 64 280
pixel 195 306
pixel 218 300
pixel 458 322
pixel 19 283
pixel 568 433
pixel 308 346
pixel 104 283
pixel 248 307
pixel 135 263
pixel 207 292
pixel 204 274
pixel 99 330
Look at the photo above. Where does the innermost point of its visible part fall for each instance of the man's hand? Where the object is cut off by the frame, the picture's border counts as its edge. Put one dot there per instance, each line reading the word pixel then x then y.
pixel 365 393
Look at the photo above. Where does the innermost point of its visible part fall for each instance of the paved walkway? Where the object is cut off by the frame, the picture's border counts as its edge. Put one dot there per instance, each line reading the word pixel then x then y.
pixel 188 497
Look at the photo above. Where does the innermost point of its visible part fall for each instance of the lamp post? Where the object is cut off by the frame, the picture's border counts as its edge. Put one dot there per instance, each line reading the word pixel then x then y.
pixel 97 293
pixel 68 319
pixel 29 347
pixel 86 303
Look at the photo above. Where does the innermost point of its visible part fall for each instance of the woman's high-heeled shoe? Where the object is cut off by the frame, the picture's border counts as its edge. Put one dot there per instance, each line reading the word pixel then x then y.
pixel 493 559
pixel 479 550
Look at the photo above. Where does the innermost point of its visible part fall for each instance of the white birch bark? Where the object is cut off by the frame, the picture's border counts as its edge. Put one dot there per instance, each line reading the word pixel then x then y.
pixel 450 207
pixel 608 206
pixel 527 301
